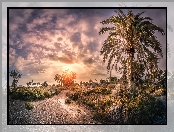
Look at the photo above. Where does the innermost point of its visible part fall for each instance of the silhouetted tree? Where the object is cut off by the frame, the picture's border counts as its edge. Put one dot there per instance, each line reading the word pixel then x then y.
pixel 67 78
pixel 45 84
pixel 15 75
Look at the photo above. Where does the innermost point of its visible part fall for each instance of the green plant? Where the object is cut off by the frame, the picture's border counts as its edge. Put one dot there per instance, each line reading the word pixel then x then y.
pixel 141 108
pixel 67 78
pixel 32 94
pixel 47 94
pixel 29 105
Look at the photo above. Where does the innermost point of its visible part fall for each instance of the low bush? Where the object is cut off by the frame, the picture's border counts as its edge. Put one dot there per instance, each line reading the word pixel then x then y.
pixel 67 101
pixel 29 106
pixel 32 94
pixel 47 95
pixel 141 108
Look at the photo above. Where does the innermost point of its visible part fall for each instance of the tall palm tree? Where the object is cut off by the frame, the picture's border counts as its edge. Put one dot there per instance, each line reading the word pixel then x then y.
pixel 131 35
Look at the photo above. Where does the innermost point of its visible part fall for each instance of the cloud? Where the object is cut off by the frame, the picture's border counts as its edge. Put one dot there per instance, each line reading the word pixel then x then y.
pixel 89 61
pixel 76 37
pixel 19 63
pixel 67 57
pixel 12 56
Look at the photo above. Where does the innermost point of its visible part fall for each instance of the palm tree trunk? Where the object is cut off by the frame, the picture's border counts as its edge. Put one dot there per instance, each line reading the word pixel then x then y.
pixel 110 76
pixel 129 69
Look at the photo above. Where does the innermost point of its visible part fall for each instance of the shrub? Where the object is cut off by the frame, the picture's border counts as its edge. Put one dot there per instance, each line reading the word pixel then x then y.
pixel 138 109
pixel 31 94
pixel 67 101
pixel 47 94
pixel 29 106
pixel 73 96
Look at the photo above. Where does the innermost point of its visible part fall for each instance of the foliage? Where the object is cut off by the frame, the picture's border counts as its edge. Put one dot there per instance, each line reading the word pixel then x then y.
pixel 98 90
pixel 45 84
pixel 73 96
pixel 67 101
pixel 15 74
pixel 113 80
pixel 67 78
pixel 32 94
pixel 137 108
pixel 131 35
pixel 134 106
pixel 29 105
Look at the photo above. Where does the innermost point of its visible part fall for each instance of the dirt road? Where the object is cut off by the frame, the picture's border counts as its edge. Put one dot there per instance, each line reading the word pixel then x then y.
pixel 49 111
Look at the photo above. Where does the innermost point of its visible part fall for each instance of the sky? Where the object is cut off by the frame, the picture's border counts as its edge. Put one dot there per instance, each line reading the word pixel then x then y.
pixel 45 42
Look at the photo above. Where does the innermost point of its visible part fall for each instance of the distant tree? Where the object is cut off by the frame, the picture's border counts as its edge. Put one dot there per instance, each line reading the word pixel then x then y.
pixel 90 81
pixel 59 79
pixel 67 78
pixel 81 83
pixel 104 82
pixel 45 84
pixel 15 75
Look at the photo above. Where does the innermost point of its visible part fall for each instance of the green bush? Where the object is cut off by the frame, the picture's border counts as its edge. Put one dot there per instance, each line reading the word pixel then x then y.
pixel 32 94
pixel 47 95
pixel 142 108
pixel 29 106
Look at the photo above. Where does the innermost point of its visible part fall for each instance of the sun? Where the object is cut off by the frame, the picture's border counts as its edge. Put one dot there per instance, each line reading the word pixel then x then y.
pixel 67 67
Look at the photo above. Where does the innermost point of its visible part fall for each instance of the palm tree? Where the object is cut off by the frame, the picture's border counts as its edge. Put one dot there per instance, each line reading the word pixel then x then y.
pixel 59 79
pixel 131 35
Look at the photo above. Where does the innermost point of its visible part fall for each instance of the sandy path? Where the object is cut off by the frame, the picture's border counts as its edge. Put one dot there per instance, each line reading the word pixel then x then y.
pixel 49 111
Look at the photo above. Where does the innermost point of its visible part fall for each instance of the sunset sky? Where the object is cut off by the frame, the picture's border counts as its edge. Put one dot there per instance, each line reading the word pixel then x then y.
pixel 45 42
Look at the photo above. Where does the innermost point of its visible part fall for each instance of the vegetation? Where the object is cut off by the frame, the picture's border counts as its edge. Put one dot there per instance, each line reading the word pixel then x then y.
pixel 15 74
pixel 135 106
pixel 142 81
pixel 67 78
pixel 131 35
pixel 33 94
pixel 29 105
pixel 67 101
pixel 45 84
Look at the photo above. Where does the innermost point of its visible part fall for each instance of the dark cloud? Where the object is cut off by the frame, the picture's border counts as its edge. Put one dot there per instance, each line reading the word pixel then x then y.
pixel 53 57
pixel 86 13
pixel 81 56
pixel 59 39
pixel 88 61
pixel 58 46
pixel 65 58
pixel 76 37
pixel 92 46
